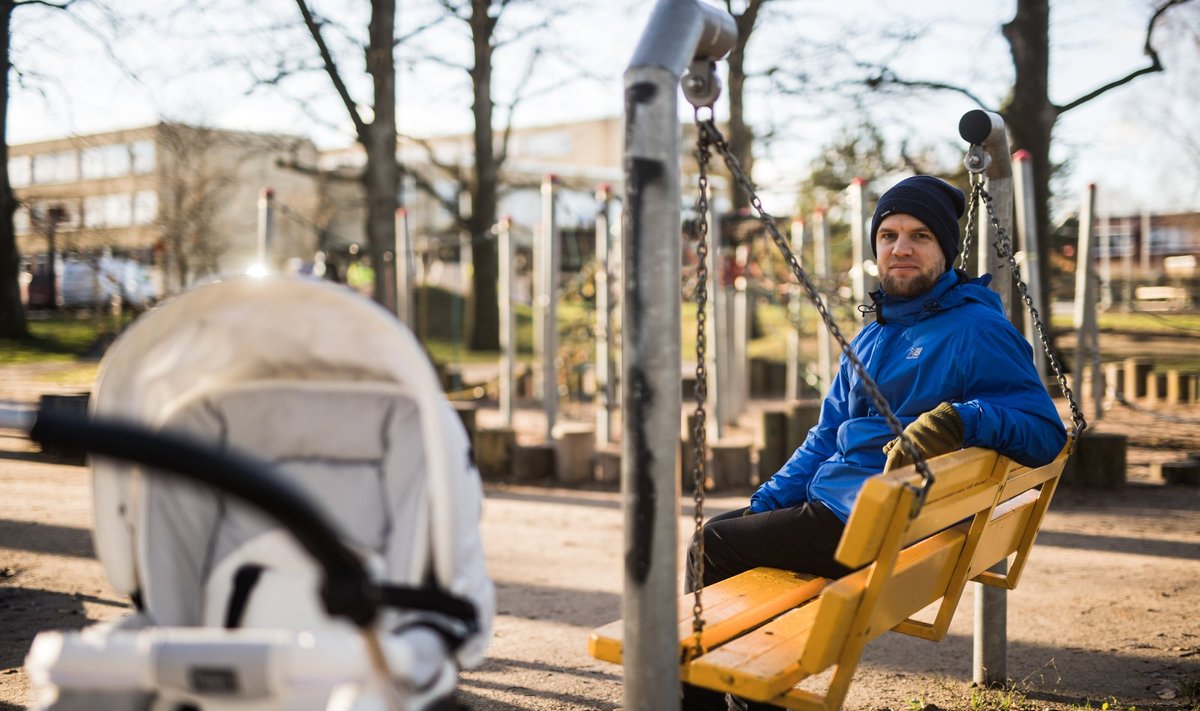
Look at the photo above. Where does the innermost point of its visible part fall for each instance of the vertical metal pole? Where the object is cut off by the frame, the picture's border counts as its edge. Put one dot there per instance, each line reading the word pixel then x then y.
pixel 508 341
pixel 548 305
pixel 1127 264
pixel 1145 251
pixel 604 380
pixel 678 31
pixel 1106 262
pixel 718 401
pixel 266 225
pixel 740 325
pixel 1085 300
pixel 822 268
pixel 859 247
pixel 984 128
pixel 1026 223
pixel 990 650
pixel 404 270
pixel 792 386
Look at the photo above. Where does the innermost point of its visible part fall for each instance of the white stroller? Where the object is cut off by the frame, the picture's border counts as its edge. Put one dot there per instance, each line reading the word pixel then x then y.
pixel 232 609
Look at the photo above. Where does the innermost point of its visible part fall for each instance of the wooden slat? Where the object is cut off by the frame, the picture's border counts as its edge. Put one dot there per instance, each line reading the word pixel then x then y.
pixel 958 478
pixel 730 607
pixel 762 668
pixel 1004 534
pixel 766 662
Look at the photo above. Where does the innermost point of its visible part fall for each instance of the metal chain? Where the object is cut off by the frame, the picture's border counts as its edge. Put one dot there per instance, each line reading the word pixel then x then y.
pixel 972 226
pixel 700 426
pixel 1003 246
pixel 868 383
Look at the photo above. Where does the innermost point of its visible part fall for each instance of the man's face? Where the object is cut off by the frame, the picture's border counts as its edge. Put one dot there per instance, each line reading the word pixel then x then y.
pixel 910 258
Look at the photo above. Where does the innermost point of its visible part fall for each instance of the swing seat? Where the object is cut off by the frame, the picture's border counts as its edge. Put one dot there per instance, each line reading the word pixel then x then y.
pixel 766 630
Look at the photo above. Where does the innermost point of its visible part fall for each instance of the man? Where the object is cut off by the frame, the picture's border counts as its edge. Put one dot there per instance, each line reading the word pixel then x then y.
pixel 950 365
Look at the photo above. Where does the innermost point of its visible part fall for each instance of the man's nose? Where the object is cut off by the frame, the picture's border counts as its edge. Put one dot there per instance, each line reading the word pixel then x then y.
pixel 904 245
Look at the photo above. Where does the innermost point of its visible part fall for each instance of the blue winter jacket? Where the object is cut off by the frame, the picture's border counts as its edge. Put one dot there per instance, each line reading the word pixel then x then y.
pixel 951 344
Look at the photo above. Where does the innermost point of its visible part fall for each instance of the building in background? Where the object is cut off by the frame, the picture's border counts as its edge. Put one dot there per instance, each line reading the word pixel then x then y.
pixel 180 200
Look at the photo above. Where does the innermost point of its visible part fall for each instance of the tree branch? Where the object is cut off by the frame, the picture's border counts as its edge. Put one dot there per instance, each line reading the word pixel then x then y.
pixel 46 3
pixel 886 77
pixel 314 29
pixel 1148 49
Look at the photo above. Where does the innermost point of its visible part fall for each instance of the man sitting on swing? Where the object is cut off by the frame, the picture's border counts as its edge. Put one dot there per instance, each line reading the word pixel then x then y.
pixel 951 367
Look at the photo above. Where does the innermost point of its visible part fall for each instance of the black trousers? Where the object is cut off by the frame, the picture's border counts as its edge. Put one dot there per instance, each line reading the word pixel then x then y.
pixel 801 538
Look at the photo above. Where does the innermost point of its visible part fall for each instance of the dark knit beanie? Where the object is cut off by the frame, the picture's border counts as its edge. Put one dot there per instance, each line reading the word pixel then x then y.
pixel 935 202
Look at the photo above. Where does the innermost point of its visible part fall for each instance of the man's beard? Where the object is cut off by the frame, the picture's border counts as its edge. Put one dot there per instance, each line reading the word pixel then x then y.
pixel 909 288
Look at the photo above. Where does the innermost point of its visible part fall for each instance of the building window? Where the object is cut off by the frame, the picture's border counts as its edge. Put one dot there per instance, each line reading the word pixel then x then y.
pixel 108 210
pixel 106 161
pixel 143 156
pixel 145 207
pixel 60 167
pixel 20 171
pixel 118 210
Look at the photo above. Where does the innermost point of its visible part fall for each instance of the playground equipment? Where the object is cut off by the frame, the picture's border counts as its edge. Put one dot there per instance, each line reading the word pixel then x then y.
pixel 358 457
pixel 648 651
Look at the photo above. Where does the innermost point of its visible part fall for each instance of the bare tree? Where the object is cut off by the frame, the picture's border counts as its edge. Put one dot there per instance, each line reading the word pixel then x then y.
pixel 1028 110
pixel 377 136
pixel 740 136
pixel 12 314
pixel 481 20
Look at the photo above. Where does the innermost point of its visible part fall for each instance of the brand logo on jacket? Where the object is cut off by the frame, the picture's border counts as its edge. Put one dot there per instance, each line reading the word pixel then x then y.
pixel 915 352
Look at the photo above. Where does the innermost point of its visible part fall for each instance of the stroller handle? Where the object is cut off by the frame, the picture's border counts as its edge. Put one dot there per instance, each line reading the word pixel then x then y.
pixel 347 590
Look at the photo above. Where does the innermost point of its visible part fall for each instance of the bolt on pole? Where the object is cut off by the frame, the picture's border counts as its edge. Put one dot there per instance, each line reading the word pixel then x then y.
pixel 678 32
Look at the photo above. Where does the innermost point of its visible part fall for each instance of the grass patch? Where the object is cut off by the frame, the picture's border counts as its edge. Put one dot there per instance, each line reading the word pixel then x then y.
pixel 1138 322
pixel 59 338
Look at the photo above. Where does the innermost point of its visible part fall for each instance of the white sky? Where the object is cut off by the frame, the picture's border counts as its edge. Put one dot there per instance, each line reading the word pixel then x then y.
pixel 1129 142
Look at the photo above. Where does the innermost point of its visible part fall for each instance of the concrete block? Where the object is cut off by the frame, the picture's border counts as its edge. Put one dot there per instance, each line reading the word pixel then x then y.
pixel 730 464
pixel 1177 388
pixel 533 463
pixel 574 447
pixel 1156 387
pixel 466 412
pixel 1098 461
pixel 1136 370
pixel 494 450
pixel 1185 472
pixel 69 404
pixel 608 464
pixel 777 443
pixel 805 414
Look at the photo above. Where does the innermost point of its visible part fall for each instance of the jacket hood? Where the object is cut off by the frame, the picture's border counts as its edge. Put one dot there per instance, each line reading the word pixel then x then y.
pixel 952 289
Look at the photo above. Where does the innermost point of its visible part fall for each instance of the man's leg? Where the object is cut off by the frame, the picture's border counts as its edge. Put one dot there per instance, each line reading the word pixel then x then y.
pixel 801 538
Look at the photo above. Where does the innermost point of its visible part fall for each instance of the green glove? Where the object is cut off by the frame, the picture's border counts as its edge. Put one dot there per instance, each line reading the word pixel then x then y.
pixel 935 432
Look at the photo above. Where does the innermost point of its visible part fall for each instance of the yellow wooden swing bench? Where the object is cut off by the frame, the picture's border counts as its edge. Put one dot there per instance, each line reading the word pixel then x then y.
pixel 767 629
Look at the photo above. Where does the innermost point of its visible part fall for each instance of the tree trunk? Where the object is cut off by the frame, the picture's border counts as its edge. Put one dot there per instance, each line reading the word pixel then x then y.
pixel 740 138
pixel 12 313
pixel 381 178
pixel 484 326
pixel 1030 116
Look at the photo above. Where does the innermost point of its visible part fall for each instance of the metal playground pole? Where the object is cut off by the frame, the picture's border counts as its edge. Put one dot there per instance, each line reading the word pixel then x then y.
pixel 679 33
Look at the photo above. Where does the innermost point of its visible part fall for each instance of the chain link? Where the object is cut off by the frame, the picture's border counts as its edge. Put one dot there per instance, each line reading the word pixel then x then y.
pixel 868 383
pixel 1003 246
pixel 699 425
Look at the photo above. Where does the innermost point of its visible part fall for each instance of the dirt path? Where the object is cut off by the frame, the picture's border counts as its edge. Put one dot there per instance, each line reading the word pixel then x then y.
pixel 1108 610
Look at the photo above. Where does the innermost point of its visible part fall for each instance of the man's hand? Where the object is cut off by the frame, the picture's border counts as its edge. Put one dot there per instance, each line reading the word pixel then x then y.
pixel 935 432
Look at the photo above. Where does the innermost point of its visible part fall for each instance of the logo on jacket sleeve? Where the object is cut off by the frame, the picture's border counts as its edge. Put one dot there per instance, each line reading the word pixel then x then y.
pixel 914 352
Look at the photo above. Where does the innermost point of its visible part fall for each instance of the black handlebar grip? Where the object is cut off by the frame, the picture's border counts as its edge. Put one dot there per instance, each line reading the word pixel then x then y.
pixel 975 126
